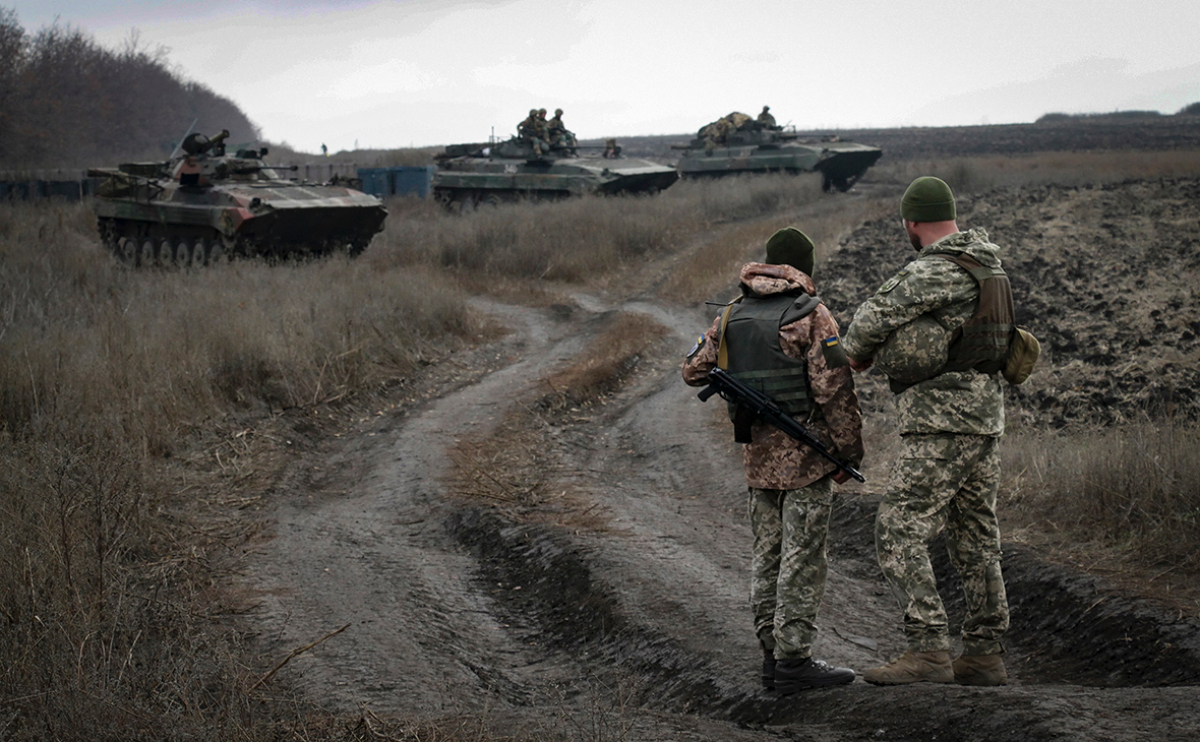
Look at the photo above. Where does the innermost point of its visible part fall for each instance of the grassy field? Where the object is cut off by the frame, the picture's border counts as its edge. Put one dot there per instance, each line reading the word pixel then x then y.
pixel 124 394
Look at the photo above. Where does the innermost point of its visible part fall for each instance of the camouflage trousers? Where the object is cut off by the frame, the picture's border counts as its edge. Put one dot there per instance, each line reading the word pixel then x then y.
pixel 944 482
pixel 789 565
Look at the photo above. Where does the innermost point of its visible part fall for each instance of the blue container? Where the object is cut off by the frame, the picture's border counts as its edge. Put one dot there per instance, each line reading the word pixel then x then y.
pixel 412 181
pixel 396 181
pixel 375 181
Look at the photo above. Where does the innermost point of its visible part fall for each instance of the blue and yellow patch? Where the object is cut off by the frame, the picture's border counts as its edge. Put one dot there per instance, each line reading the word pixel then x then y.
pixel 835 357
pixel 696 348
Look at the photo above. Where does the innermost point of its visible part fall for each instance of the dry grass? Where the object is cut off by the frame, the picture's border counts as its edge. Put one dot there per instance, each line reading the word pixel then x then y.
pixel 110 377
pixel 1135 488
pixel 605 362
pixel 584 239
pixel 514 465
pixel 110 374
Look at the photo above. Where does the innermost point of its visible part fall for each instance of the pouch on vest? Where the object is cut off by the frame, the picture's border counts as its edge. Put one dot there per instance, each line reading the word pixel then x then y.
pixel 1023 352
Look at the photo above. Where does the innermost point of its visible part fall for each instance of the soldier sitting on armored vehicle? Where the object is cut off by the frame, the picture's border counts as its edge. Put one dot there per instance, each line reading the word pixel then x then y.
pixel 533 131
pixel 558 134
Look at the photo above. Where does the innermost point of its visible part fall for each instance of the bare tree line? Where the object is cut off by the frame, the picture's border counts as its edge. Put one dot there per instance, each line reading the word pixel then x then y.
pixel 66 101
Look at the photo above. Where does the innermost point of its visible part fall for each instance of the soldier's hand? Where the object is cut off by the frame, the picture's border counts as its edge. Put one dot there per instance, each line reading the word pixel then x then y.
pixel 861 366
pixel 841 477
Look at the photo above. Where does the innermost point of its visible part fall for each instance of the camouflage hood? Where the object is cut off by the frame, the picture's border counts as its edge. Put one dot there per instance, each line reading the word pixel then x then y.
pixel 764 279
pixel 973 242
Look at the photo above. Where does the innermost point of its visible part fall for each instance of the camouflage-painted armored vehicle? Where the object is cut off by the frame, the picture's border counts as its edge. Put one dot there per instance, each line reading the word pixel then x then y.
pixel 739 144
pixel 205 204
pixel 470 174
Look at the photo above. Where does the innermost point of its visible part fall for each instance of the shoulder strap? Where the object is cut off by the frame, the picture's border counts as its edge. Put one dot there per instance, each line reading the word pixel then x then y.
pixel 722 348
pixel 977 270
pixel 801 308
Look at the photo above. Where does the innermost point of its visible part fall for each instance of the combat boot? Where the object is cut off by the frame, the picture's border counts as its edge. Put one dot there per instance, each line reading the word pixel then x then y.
pixel 797 675
pixel 980 669
pixel 913 667
pixel 768 669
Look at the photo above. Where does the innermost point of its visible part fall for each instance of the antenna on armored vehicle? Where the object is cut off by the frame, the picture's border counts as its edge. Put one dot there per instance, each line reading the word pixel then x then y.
pixel 180 142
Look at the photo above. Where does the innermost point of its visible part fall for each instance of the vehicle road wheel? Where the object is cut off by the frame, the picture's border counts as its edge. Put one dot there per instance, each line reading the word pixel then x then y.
pixel 145 257
pixel 166 254
pixel 218 251
pixel 127 250
pixel 183 254
pixel 199 253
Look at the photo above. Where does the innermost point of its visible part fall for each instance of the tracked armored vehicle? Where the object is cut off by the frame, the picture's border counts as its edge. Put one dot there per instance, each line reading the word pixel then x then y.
pixel 470 174
pixel 739 144
pixel 204 204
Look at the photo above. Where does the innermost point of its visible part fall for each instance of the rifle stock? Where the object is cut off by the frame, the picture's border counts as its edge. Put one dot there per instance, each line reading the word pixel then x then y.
pixel 720 382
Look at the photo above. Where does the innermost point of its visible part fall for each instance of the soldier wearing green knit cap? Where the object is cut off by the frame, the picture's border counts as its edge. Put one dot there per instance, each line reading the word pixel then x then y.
pixel 778 338
pixel 951 416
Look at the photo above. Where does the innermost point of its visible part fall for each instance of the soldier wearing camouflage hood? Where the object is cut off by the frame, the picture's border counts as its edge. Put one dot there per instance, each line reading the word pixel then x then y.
pixel 779 338
pixel 951 417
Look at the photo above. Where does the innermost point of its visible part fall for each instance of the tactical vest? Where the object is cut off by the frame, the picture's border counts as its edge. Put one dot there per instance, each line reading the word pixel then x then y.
pixel 748 348
pixel 981 343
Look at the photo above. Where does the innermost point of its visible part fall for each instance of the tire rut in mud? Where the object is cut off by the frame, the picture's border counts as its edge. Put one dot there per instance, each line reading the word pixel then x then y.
pixel 1066 634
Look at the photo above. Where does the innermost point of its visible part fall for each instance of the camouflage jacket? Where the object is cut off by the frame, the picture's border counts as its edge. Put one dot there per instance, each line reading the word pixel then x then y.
pixel 964 402
pixel 774 460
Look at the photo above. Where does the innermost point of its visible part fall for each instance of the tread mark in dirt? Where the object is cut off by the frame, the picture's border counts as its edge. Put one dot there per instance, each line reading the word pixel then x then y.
pixel 656 603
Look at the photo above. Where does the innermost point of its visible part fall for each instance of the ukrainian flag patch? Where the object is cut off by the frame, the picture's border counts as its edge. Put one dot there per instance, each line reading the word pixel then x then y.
pixel 835 356
pixel 696 348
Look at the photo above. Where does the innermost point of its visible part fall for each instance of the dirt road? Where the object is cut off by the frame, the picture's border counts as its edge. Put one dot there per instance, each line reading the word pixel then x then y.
pixel 635 626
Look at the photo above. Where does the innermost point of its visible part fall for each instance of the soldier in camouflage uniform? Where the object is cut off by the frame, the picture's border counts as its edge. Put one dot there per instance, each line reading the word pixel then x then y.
pixel 533 131
pixel 766 119
pixel 778 337
pixel 947 472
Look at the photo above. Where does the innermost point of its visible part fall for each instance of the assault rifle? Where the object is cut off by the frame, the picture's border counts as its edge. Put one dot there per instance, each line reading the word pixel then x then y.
pixel 732 390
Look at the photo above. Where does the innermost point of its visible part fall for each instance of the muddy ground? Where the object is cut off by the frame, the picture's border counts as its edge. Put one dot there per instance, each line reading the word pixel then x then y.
pixel 616 607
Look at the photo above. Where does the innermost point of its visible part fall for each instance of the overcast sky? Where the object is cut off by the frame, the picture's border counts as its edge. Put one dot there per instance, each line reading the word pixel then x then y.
pixel 395 73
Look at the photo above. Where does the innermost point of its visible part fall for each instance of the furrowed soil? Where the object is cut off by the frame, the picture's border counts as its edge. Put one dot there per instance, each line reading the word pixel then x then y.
pixel 602 595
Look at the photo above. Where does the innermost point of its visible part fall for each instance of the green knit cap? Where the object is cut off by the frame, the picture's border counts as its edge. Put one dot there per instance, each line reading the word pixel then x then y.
pixel 928 199
pixel 790 246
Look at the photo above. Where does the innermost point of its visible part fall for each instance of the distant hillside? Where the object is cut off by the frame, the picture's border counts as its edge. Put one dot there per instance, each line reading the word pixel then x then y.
pixel 65 101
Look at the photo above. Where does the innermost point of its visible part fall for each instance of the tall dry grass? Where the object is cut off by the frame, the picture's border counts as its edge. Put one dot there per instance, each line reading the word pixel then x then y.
pixel 105 609
pixel 580 239
pixel 1135 488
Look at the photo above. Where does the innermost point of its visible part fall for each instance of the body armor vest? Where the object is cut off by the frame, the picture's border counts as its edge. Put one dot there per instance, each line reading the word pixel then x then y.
pixel 981 343
pixel 748 348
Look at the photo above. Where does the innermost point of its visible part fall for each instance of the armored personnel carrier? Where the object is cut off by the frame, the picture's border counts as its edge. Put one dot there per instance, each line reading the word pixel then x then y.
pixel 739 144
pixel 205 204
pixel 470 174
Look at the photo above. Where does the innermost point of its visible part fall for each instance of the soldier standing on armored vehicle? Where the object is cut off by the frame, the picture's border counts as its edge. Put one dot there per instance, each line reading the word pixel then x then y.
pixel 947 472
pixel 780 339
